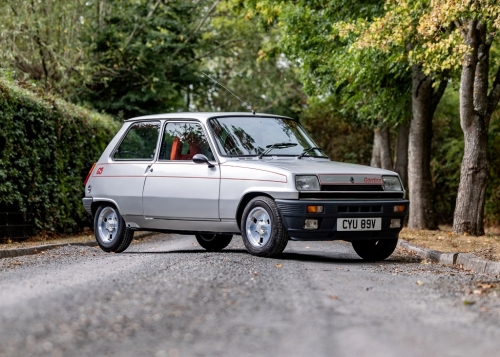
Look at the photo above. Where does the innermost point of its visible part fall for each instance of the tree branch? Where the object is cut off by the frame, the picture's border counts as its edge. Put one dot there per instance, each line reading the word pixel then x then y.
pixel 13 9
pixel 190 36
pixel 213 50
pixel 459 25
pixel 150 13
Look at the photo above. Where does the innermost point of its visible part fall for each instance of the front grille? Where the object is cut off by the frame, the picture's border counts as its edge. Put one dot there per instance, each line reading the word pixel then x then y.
pixel 356 209
pixel 356 188
pixel 350 195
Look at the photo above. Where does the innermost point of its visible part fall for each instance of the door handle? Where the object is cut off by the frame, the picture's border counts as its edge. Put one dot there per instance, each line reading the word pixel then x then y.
pixel 151 170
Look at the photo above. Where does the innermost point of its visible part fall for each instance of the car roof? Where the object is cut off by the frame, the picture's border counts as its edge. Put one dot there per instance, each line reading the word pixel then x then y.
pixel 203 116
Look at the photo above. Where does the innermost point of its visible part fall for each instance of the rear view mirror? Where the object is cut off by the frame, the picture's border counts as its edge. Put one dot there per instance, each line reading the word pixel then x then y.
pixel 202 159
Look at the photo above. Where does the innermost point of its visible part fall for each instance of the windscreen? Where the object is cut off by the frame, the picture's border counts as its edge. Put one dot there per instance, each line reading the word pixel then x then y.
pixel 250 136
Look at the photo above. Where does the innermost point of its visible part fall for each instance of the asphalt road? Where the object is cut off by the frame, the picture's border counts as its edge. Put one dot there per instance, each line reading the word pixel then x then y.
pixel 165 296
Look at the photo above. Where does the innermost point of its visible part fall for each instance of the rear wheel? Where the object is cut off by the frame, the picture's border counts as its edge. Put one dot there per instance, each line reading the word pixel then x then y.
pixel 214 242
pixel 374 250
pixel 262 228
pixel 110 231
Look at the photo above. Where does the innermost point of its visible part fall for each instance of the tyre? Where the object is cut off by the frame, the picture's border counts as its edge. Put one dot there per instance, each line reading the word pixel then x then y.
pixel 214 242
pixel 110 231
pixel 262 228
pixel 374 250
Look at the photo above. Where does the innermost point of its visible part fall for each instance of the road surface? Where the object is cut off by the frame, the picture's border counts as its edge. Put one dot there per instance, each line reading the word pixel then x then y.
pixel 166 296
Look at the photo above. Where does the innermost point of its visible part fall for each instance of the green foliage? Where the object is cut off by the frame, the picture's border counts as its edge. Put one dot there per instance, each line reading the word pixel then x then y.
pixel 142 57
pixel 371 86
pixel 248 65
pixel 492 207
pixel 448 150
pixel 41 40
pixel 342 138
pixel 47 147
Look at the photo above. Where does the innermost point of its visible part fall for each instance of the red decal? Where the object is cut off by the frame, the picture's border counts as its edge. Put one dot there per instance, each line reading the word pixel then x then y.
pixel 99 170
pixel 373 180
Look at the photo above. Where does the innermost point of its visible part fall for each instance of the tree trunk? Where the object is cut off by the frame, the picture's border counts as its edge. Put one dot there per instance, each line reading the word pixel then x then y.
pixel 424 103
pixel 401 164
pixel 375 161
pixel 385 148
pixel 476 108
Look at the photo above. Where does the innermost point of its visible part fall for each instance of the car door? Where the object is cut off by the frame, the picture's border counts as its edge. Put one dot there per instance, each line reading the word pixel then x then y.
pixel 122 178
pixel 176 187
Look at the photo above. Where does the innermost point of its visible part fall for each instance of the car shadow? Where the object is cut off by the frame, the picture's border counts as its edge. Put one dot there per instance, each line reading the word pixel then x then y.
pixel 191 251
pixel 295 256
pixel 340 258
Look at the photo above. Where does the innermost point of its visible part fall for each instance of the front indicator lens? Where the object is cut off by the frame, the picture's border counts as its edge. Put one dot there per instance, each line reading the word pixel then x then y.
pixel 392 183
pixel 307 183
pixel 399 208
pixel 314 209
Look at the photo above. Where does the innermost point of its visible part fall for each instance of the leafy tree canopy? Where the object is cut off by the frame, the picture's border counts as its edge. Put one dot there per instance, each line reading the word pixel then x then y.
pixel 370 83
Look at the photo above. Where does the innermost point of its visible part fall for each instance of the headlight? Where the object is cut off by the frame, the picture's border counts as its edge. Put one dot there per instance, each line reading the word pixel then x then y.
pixel 307 183
pixel 392 183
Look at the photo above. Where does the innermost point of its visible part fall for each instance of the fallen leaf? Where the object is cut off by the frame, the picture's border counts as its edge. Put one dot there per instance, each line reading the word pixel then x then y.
pixel 477 292
pixel 468 302
pixel 279 265
pixel 486 286
pixel 255 273
pixel 419 283
pixel 333 297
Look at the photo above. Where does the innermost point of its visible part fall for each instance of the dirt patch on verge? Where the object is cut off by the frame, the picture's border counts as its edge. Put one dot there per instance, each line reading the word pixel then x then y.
pixel 444 240
pixel 45 239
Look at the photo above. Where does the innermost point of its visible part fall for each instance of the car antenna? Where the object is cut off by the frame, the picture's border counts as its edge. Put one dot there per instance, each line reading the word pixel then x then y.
pixel 245 104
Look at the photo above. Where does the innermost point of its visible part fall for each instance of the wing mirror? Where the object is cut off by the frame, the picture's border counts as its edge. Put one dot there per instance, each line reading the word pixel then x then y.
pixel 202 159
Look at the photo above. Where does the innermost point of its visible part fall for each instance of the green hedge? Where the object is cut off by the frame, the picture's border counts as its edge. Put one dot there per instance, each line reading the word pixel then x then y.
pixel 47 147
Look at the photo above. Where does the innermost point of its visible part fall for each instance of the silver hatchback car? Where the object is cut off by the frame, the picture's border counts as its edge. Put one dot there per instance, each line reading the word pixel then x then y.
pixel 215 175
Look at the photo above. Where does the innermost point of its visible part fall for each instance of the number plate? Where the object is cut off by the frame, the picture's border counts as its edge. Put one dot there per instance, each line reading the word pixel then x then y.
pixel 359 224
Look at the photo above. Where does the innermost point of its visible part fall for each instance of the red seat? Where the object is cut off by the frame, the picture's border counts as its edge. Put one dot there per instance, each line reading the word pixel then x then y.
pixel 175 153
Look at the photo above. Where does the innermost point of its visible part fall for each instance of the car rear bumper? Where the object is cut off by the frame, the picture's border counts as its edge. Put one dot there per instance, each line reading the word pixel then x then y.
pixel 294 214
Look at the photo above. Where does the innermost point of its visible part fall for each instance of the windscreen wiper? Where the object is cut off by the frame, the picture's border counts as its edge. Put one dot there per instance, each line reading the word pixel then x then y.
pixel 276 146
pixel 306 151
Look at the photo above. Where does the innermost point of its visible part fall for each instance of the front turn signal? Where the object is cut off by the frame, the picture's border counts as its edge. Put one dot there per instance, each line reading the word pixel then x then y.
pixel 399 208
pixel 314 209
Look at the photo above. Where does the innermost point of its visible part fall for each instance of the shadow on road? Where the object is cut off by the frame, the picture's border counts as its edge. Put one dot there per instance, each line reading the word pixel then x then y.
pixel 195 251
pixel 302 257
pixel 321 258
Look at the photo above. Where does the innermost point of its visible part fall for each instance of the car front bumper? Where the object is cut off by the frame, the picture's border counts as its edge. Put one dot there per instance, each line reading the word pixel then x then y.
pixel 294 214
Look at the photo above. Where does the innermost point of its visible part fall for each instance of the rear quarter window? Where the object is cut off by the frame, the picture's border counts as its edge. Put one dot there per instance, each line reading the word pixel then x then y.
pixel 139 142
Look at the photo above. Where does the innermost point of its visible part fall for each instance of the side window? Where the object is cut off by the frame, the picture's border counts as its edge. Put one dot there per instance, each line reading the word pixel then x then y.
pixel 181 141
pixel 139 143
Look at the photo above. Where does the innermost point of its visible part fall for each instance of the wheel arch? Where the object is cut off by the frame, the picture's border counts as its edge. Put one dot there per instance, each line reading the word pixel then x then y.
pixel 99 202
pixel 243 203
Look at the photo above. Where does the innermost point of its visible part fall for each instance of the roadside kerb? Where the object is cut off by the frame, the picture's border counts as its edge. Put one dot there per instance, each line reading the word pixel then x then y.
pixel 12 253
pixel 466 261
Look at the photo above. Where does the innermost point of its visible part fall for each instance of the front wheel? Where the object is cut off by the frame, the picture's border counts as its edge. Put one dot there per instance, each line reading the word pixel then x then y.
pixel 262 228
pixel 374 250
pixel 110 231
pixel 214 242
